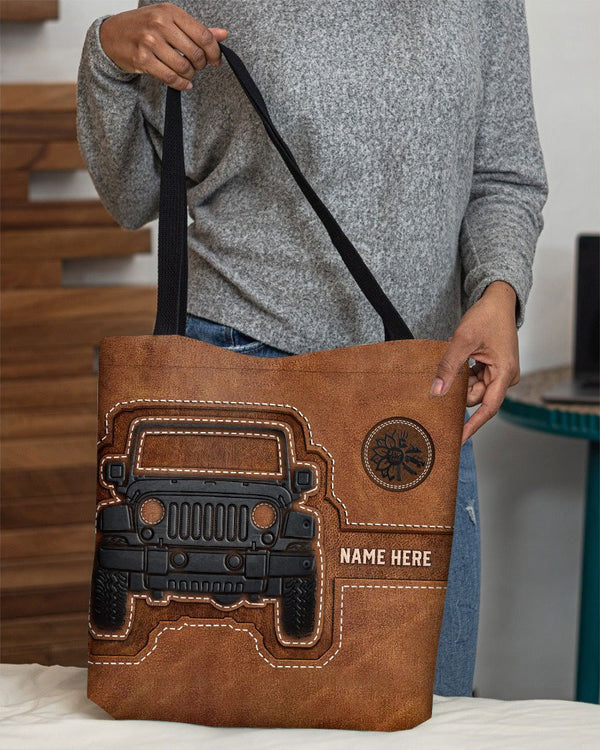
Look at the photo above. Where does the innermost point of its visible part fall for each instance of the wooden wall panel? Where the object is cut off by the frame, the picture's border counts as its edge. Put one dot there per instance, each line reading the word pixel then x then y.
pixel 49 343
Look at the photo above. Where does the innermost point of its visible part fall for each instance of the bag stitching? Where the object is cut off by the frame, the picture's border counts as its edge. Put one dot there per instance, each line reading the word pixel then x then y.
pixel 118 500
pixel 312 442
pixel 229 607
pixel 239 421
pixel 255 639
pixel 209 471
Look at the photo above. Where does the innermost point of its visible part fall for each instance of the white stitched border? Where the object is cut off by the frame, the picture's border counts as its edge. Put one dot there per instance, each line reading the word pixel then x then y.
pixel 243 602
pixel 255 422
pixel 255 639
pixel 278 473
pixel 270 404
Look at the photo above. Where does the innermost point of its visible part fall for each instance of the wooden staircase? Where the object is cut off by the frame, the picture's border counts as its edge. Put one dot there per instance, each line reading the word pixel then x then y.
pixel 28 10
pixel 48 367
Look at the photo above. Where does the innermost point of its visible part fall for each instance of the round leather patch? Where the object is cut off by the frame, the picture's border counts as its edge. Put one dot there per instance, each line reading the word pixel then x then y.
pixel 264 515
pixel 398 453
pixel 152 511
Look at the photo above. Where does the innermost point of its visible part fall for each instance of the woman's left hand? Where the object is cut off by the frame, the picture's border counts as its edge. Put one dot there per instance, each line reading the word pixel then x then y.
pixel 487 333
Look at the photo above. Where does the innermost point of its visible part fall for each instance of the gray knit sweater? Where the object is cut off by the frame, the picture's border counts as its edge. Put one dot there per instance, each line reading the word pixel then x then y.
pixel 412 119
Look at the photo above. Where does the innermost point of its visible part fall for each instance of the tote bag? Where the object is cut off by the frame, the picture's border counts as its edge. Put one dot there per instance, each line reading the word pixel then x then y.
pixel 273 535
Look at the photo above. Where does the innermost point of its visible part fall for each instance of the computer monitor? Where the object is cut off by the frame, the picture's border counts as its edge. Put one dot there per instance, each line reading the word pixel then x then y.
pixel 583 385
pixel 587 316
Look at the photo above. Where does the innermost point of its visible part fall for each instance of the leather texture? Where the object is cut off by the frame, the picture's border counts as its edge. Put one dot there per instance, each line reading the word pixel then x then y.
pixel 331 478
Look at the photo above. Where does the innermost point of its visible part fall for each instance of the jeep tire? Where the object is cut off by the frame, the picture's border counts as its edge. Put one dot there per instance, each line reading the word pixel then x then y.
pixel 298 605
pixel 109 598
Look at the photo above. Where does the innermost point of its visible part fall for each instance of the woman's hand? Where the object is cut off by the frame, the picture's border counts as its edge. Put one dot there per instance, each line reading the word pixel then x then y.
pixel 162 40
pixel 487 332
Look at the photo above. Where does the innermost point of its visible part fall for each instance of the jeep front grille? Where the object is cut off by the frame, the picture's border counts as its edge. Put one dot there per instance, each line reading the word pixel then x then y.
pixel 208 522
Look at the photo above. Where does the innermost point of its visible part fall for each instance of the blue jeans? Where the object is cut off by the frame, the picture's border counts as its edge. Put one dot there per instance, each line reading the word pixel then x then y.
pixel 458 638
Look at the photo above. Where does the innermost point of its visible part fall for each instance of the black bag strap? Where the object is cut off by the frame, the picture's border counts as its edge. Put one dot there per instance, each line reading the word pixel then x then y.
pixel 172 223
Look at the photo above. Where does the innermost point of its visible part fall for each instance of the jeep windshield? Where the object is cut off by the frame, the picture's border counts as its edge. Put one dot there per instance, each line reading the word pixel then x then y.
pixel 209 450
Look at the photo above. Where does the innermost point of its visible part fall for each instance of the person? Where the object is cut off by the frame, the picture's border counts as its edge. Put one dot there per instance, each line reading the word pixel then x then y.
pixel 413 121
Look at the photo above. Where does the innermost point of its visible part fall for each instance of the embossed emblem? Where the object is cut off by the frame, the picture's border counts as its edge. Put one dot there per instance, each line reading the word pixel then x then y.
pixel 398 453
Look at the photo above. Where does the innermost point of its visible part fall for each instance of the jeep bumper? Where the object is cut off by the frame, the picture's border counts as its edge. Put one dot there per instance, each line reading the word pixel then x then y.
pixel 255 564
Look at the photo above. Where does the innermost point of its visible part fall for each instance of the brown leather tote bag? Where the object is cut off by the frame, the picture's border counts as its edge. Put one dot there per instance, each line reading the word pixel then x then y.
pixel 272 534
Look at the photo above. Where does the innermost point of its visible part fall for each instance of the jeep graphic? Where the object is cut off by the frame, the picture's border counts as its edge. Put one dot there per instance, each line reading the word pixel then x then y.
pixel 209 510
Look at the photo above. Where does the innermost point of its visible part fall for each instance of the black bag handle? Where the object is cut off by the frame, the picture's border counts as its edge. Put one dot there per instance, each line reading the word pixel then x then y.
pixel 172 222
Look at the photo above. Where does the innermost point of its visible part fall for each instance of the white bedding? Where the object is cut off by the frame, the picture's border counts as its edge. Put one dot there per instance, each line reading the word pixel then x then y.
pixel 43 708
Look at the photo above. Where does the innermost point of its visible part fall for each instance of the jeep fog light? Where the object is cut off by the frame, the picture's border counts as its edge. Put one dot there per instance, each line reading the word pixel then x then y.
pixel 152 511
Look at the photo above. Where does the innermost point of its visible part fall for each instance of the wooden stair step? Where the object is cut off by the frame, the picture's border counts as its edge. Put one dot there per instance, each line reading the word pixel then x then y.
pixel 29 126
pixel 80 316
pixel 14 185
pixel 38 97
pixel 73 242
pixel 48 481
pixel 70 213
pixel 84 331
pixel 45 601
pixel 26 275
pixel 47 572
pixel 66 654
pixel 41 156
pixel 38 112
pixel 23 306
pixel 25 632
pixel 25 512
pixel 28 10
pixel 40 361
pixel 30 392
pixel 46 540
pixel 66 452
pixel 59 465
pixel 38 422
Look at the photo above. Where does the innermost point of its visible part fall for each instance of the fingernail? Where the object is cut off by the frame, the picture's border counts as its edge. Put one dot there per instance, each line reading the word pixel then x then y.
pixel 437 386
pixel 188 85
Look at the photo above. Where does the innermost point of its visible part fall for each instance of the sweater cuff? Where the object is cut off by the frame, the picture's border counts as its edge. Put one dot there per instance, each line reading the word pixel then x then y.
pixel 482 276
pixel 100 59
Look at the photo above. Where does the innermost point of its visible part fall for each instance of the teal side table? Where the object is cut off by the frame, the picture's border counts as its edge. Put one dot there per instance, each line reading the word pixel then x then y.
pixel 523 406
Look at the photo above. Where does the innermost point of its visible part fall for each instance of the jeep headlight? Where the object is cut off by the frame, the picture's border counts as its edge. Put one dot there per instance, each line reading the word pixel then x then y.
pixel 264 515
pixel 152 511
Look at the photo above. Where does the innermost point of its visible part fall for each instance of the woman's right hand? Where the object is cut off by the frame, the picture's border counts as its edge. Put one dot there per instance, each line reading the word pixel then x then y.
pixel 149 40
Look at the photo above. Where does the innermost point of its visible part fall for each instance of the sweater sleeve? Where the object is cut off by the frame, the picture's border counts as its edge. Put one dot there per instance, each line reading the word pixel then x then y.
pixel 503 219
pixel 113 136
